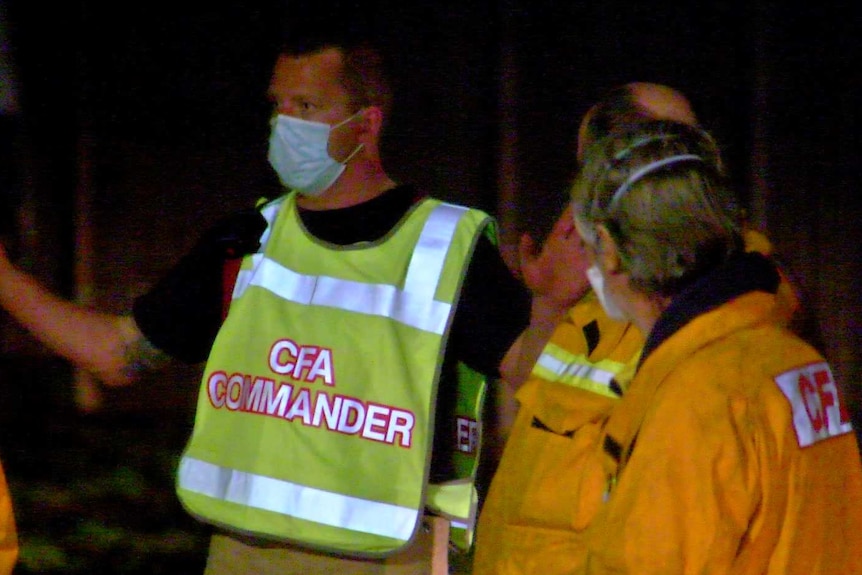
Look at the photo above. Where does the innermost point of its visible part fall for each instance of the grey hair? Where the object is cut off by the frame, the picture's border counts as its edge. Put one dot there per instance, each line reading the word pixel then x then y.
pixel 660 191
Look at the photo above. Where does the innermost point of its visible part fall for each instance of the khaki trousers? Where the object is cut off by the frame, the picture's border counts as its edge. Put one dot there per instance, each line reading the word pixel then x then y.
pixel 426 555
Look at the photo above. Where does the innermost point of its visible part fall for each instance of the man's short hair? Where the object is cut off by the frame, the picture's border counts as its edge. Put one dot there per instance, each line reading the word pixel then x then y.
pixel 364 74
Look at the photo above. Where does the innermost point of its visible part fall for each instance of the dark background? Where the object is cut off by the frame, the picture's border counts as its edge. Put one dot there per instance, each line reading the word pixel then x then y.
pixel 141 123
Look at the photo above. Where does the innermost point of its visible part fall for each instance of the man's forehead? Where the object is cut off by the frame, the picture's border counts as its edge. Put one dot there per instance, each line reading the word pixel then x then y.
pixel 319 71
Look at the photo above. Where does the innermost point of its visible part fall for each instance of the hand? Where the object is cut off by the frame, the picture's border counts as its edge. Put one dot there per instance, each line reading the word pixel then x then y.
pixel 556 272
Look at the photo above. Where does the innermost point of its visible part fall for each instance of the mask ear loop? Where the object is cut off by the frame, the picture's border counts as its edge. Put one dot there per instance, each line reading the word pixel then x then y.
pixel 343 122
pixel 353 153
pixel 347 120
pixel 643 141
pixel 621 154
pixel 644 170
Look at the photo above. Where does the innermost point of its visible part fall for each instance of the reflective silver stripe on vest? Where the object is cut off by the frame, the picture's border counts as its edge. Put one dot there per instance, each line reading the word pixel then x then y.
pixel 269 211
pixel 413 306
pixel 429 255
pixel 568 372
pixel 298 501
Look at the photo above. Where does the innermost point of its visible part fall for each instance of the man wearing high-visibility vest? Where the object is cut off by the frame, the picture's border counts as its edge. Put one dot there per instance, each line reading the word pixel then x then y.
pixel 338 411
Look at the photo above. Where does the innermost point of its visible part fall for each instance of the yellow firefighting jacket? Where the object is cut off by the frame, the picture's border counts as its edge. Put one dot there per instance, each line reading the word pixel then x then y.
pixel 730 453
pixel 524 526
pixel 527 523
pixel 8 535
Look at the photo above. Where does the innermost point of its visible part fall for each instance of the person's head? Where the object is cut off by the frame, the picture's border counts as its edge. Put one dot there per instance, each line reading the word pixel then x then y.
pixel 333 93
pixel 624 106
pixel 630 104
pixel 357 68
pixel 652 204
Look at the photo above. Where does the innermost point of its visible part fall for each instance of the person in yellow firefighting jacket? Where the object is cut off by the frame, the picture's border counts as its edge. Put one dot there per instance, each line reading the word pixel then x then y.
pixel 577 377
pixel 525 525
pixel 731 450
pixel 549 271
pixel 8 534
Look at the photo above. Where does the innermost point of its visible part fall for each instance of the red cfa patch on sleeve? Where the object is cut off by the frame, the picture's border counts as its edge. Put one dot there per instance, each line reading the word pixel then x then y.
pixel 817 410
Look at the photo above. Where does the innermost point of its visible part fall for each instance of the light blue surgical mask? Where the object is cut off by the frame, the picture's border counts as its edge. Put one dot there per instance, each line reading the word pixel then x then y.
pixel 298 152
pixel 597 281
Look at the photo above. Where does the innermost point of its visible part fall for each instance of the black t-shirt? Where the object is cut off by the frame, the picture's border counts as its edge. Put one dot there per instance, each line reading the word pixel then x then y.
pixel 183 312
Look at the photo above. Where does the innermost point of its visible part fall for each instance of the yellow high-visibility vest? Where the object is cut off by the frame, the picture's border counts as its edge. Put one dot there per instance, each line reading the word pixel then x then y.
pixel 316 409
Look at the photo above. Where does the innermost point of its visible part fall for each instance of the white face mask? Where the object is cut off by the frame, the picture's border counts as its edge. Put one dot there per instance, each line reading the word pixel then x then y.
pixel 298 153
pixel 597 280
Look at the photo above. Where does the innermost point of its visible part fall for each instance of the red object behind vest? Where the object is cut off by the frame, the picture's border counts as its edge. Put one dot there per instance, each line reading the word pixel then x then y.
pixel 230 270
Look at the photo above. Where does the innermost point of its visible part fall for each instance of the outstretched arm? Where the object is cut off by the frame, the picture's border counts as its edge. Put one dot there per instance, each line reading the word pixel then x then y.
pixel 109 346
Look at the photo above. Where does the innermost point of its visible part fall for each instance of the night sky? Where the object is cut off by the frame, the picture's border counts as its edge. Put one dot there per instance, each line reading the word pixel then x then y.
pixel 186 65
pixel 186 70
pixel 190 73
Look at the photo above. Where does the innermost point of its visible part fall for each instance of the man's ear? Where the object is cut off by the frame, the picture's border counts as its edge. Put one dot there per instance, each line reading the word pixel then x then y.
pixel 564 227
pixel 608 252
pixel 372 121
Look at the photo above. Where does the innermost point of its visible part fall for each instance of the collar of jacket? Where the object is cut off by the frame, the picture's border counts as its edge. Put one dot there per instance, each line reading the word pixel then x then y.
pixel 743 273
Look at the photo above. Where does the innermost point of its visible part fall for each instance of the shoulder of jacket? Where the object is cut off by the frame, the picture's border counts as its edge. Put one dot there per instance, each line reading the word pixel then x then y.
pixel 748 361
